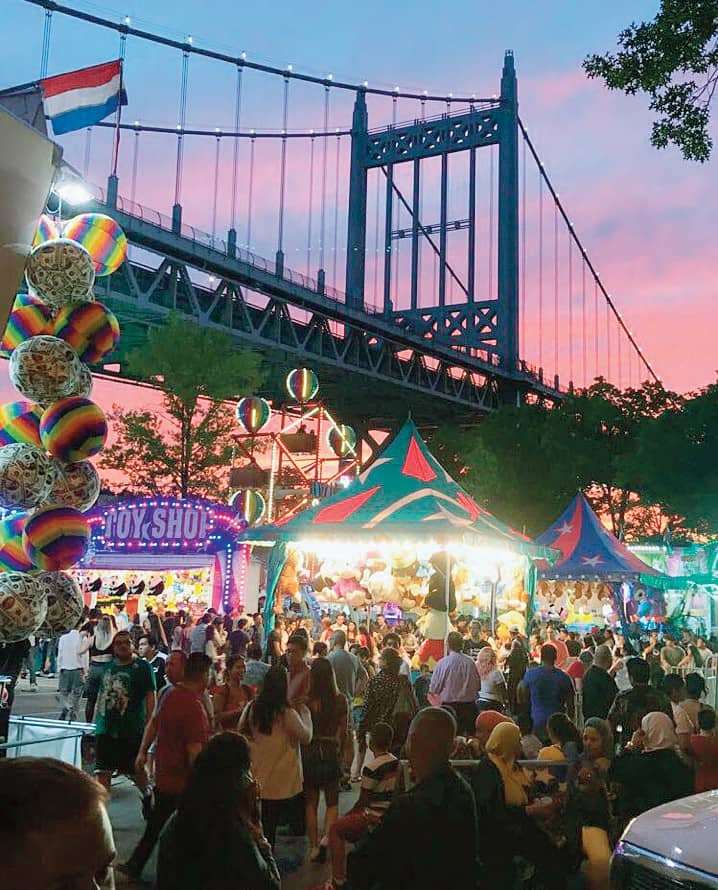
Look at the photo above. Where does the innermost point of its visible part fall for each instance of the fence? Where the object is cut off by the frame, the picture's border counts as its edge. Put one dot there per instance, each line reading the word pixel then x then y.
pixel 43 737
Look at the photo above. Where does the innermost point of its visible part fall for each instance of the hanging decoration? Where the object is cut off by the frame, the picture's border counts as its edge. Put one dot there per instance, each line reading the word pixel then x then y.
pixel 250 505
pixel 84 384
pixel 47 230
pixel 30 317
pixel 302 384
pixel 56 537
pixel 60 271
pixel 44 369
pixel 64 603
pixel 73 429
pixel 20 422
pixel 101 237
pixel 253 413
pixel 342 440
pixel 23 606
pixel 90 328
pixel 76 485
pixel 12 554
pixel 26 476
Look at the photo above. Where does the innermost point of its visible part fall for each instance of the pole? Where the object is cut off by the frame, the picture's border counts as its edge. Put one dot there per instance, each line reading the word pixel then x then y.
pixel 118 115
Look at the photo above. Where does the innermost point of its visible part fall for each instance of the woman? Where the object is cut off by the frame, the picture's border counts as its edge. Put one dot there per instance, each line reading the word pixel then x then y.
pixel 275 731
pixel 493 693
pixel 321 757
pixel 352 633
pixel 382 694
pixel 98 642
pixel 136 631
pixel 213 647
pixel 219 816
pixel 486 722
pixel 517 662
pixel 690 707
pixel 232 697
pixel 598 745
pixel 695 655
pixel 565 740
pixel 366 639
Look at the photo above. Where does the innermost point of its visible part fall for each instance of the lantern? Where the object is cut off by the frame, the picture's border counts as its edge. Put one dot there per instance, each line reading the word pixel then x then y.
pixel 253 413
pixel 250 505
pixel 302 384
pixel 342 440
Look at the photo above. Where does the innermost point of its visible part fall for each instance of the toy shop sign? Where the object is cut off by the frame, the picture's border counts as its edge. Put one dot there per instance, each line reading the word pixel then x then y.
pixel 183 525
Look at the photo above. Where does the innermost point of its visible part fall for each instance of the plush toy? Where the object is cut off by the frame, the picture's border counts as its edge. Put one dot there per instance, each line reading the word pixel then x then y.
pixel 436 623
pixel 288 584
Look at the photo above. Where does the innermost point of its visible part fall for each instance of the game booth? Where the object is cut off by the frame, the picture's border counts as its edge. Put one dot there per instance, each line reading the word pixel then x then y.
pixel 177 553
pixel 403 539
pixel 597 581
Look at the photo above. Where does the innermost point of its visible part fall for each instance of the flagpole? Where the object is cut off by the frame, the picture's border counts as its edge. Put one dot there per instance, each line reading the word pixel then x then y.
pixel 118 115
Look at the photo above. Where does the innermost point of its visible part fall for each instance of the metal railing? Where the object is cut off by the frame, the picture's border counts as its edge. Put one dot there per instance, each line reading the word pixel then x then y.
pixel 44 737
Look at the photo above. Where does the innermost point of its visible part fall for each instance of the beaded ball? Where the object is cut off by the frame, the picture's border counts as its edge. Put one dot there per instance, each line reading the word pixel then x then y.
pixel 26 476
pixel 44 369
pixel 23 606
pixel 60 271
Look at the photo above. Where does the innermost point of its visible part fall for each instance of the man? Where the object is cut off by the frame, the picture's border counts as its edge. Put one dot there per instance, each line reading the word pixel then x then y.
pixel 198 634
pixel 340 622
pixel 631 706
pixel 352 679
pixel 546 690
pixel 147 649
pixel 456 682
pixel 125 703
pixel 393 640
pixel 553 639
pixel 476 641
pixel 122 619
pixel 256 668
pixel 298 680
pixel 239 639
pixel 12 656
pixel 55 831
pixel 257 634
pixel 409 847
pixel 671 654
pixel 72 672
pixel 182 731
pixel 573 666
pixel 599 687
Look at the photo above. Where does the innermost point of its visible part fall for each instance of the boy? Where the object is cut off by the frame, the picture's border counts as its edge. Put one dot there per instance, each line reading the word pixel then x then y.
pixel 704 746
pixel 421 686
pixel 378 784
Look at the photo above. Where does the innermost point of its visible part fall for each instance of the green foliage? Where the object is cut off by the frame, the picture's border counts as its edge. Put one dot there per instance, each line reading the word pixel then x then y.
pixel 674 60
pixel 187 448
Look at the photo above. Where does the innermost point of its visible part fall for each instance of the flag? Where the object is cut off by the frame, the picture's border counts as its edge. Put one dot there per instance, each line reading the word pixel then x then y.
pixel 82 98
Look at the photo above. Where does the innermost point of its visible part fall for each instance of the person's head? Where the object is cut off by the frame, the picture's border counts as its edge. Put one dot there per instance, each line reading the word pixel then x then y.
pixel 257 619
pixel 602 657
pixel 701 643
pixel 241 623
pixel 475 629
pixel 707 720
pixel 551 632
pixel 323 683
pixel 485 725
pixel 55 831
pixel 380 621
pixel 338 639
pixel 380 738
pixel 147 625
pixel 196 671
pixel 455 642
pixel 548 655
pixel 235 670
pixel 561 730
pixel 254 652
pixel 589 642
pixel 597 738
pixel 674 687
pixel 586 658
pixel 174 666
pixel 205 619
pixel 695 686
pixel 147 646
pixel 326 623
pixel 390 661
pixel 297 646
pixel 574 648
pixel 320 650
pixel 486 661
pixel 504 743
pixel 430 741
pixel 272 699
pixel 639 672
pixel 341 619
pixel 659 732
pixel 424 669
pixel 122 647
pixel 119 608
pixel 392 640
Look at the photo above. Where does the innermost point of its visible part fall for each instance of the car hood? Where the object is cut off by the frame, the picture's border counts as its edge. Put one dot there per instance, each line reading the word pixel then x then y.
pixel 684 831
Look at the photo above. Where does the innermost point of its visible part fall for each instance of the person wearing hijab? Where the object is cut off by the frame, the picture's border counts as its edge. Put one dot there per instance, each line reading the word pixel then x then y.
pixel 650 771
pixel 598 745
pixel 485 724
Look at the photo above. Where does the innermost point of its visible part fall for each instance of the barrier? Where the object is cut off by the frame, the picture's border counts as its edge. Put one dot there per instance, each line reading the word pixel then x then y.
pixel 41 737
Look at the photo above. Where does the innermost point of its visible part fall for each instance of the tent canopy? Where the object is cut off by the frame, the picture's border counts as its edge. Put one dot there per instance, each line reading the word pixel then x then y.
pixel 589 552
pixel 404 493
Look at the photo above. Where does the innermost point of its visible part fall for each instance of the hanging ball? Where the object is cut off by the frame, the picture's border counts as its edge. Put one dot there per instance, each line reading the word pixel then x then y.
pixel 12 553
pixel 250 505
pixel 60 271
pixel 253 413
pixel 64 603
pixel 30 317
pixel 44 369
pixel 26 476
pixel 56 538
pixel 90 328
pixel 73 429
pixel 103 239
pixel 20 422
pixel 76 485
pixel 23 606
pixel 83 388
pixel 342 440
pixel 47 230
pixel 302 384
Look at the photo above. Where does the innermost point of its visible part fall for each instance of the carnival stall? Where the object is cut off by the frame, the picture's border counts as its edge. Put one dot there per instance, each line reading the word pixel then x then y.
pixel 404 538
pixel 171 552
pixel 597 581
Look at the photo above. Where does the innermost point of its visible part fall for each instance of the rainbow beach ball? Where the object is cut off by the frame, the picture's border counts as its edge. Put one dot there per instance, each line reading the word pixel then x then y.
pixel 12 553
pixel 20 422
pixel 56 538
pixel 90 328
pixel 46 230
pixel 73 429
pixel 101 237
pixel 30 317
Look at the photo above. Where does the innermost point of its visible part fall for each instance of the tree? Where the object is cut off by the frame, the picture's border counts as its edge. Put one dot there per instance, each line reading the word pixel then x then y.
pixel 187 449
pixel 674 60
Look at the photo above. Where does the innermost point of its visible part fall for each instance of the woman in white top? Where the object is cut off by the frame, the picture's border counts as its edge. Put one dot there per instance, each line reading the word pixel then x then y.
pixel 493 693
pixel 275 732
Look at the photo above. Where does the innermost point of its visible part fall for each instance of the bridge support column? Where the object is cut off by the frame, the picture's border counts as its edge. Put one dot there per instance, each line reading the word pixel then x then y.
pixel 356 234
pixel 279 264
pixel 177 219
pixel 112 189
pixel 232 243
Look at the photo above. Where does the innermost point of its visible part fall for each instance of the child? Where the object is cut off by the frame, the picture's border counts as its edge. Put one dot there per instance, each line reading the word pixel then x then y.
pixel 421 686
pixel 320 650
pixel 378 784
pixel 530 743
pixel 704 746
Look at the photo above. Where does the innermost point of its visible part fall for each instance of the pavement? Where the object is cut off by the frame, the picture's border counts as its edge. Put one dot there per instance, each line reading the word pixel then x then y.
pixel 126 815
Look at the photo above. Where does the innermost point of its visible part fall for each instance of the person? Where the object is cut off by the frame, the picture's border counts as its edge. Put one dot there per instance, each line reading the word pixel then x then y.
pixel 352 632
pixel 55 831
pixel 573 666
pixel 671 654
pixel 565 740
pixel 198 634
pixel 704 750
pixel 691 706
pixel 366 638
pixel 233 696
pixel 629 708
pixel 421 685
pixel 182 731
pixel 352 678
pixel 650 771
pixel 517 662
pixel 320 650
pixel 438 814
pixel 553 638
pixel 456 683
pixel 493 693
pixel 599 687
pixel 275 731
pixel 218 814
pixel 378 785
pixel 321 763
pixel 256 669
pixel 72 672
pixel 476 641
pixel 598 748
pixel 157 629
pixel 275 642
pixel 546 690
pixel 157 660
pixel 697 654
pixel 382 695
pixel 393 640
pixel 122 619
pixel 239 639
pixel 214 646
pixel 12 656
pixel 125 703
pixel 296 656
pixel 339 623
pixel 97 640
pixel 485 724
pixel 674 687
pixel 530 743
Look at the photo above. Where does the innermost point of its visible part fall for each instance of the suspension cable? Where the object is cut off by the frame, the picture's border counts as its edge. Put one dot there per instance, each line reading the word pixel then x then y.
pixel 135 163
pixel 377 217
pixel 491 221
pixel 46 33
pixel 555 288
pixel 324 181
pixel 230 134
pixel 235 156
pixel 216 190
pixel 180 130
pixel 596 325
pixel 88 149
pixel 540 325
pixel 311 207
pixel 250 195
pixel 583 323
pixel 336 215
pixel 570 312
pixel 522 324
pixel 283 165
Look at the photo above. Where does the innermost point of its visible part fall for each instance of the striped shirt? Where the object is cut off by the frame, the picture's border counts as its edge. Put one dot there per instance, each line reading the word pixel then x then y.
pixel 379 778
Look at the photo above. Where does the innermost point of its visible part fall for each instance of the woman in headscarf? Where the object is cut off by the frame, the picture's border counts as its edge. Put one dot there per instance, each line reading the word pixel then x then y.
pixel 650 771
pixel 485 724
pixel 493 693
pixel 598 745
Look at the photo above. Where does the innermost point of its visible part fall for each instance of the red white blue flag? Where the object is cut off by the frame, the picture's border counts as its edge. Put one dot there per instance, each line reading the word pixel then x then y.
pixel 82 98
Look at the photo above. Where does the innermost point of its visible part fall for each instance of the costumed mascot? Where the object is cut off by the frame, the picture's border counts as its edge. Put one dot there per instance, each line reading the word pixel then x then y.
pixel 436 624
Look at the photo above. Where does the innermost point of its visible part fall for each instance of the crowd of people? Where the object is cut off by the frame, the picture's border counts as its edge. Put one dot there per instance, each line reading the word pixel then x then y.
pixel 527 757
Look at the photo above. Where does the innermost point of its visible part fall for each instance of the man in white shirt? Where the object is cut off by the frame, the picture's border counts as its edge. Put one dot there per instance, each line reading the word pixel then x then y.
pixel 72 673
pixel 122 619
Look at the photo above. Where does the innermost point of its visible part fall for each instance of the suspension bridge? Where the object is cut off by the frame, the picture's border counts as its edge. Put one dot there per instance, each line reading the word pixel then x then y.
pixel 440 271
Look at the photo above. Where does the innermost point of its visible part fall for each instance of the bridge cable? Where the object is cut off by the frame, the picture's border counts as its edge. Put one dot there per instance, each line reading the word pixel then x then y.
pixel 491 221
pixel 540 324
pixel 283 164
pixel 395 244
pixel 135 162
pixel 377 217
pixel 570 312
pixel 250 194
pixel 324 181
pixel 180 130
pixel 336 215
pixel 555 288
pixel 229 134
pixel 583 323
pixel 522 324
pixel 235 157
pixel 608 338
pixel 419 277
pixel 88 150
pixel 216 190
pixel 620 366
pixel 46 33
pixel 596 325
pixel 311 207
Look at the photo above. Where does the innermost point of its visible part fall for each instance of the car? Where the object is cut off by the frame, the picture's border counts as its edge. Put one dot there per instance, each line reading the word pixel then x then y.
pixel 670 847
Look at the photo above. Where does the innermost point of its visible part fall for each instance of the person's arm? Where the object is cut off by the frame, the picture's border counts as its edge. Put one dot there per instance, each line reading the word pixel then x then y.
pixel 374 861
pixel 150 702
pixel 570 698
pixel 193 749
pixel 298 722
pixel 85 644
pixel 437 680
pixel 148 737
pixel 362 680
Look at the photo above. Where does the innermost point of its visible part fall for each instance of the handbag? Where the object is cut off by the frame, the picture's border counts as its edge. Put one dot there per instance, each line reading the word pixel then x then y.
pixel 405 709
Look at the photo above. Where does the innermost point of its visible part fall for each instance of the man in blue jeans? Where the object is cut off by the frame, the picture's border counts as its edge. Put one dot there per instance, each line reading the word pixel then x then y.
pixel 546 690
